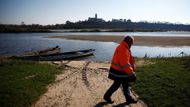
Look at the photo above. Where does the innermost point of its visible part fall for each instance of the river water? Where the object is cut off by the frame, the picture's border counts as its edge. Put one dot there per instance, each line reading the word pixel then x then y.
pixel 15 43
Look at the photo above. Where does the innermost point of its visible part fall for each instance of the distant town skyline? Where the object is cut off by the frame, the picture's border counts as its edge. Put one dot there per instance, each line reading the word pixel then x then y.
pixel 59 11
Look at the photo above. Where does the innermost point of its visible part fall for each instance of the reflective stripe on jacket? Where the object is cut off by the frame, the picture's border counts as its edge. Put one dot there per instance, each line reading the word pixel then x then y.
pixel 122 59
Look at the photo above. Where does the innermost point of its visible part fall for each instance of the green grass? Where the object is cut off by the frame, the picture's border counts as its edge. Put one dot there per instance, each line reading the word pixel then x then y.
pixel 165 83
pixel 22 82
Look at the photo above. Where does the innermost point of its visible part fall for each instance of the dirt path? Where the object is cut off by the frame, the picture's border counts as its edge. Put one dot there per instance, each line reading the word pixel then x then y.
pixel 82 84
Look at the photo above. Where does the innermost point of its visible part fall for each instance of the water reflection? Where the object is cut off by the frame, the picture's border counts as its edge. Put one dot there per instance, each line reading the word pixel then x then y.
pixel 147 51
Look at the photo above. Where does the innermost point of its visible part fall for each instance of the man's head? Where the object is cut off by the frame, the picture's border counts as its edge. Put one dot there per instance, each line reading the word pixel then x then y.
pixel 129 40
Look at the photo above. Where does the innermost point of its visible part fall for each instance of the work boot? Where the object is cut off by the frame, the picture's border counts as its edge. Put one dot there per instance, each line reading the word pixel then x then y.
pixel 108 100
pixel 131 101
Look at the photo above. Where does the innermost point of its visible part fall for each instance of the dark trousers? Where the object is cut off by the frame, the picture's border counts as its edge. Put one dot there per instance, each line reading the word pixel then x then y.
pixel 116 84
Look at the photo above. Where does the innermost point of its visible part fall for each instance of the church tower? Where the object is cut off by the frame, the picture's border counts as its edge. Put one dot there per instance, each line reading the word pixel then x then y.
pixel 96 16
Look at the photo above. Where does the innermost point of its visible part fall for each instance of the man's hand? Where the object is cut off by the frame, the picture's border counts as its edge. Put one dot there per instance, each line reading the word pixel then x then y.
pixel 132 78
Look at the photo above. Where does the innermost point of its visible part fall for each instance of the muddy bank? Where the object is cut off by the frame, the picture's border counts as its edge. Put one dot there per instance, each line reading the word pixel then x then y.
pixel 139 40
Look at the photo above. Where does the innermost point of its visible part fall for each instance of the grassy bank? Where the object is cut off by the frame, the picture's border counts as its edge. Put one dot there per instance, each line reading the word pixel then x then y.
pixel 162 82
pixel 22 82
pixel 166 83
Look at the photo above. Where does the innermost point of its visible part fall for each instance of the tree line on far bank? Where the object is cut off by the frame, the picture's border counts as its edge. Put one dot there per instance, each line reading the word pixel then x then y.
pixel 96 26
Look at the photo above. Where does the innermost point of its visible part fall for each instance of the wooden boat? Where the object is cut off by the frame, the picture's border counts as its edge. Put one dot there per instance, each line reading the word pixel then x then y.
pixel 60 56
pixel 48 51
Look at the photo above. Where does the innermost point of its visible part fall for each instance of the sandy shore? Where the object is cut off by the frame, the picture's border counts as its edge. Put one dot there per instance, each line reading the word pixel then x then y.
pixel 83 84
pixel 139 40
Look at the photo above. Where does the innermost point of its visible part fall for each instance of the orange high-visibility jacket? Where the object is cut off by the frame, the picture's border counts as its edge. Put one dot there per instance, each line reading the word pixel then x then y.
pixel 123 60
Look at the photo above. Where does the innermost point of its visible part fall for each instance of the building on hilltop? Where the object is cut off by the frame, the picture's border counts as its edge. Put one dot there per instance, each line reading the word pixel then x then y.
pixel 95 19
pixel 96 16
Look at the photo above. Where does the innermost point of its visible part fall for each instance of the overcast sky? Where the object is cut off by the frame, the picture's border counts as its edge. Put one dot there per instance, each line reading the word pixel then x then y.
pixel 58 11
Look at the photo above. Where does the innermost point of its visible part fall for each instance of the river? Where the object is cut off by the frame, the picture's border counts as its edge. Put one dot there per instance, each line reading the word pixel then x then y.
pixel 15 43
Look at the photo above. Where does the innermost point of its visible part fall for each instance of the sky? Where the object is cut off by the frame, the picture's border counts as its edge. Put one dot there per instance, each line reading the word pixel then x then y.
pixel 59 11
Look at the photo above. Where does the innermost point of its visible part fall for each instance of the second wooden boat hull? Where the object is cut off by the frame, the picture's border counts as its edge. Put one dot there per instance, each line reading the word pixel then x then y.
pixel 61 56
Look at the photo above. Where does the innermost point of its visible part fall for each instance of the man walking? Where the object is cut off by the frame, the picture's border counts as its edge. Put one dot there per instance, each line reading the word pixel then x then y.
pixel 122 70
